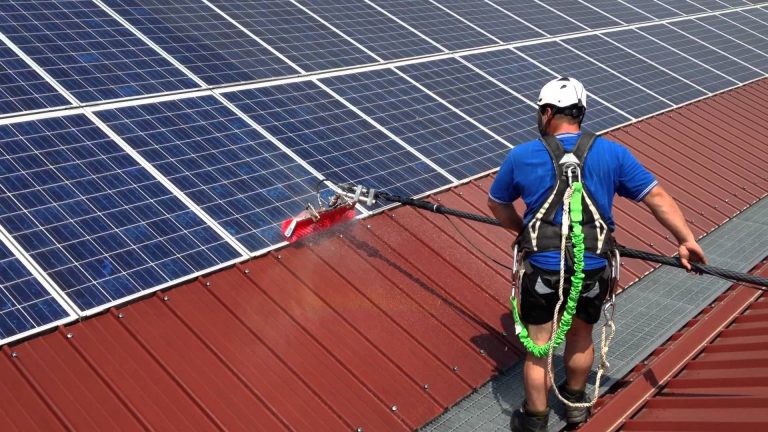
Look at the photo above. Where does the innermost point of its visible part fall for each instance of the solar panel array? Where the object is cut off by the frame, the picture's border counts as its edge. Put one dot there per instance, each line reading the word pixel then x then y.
pixel 143 143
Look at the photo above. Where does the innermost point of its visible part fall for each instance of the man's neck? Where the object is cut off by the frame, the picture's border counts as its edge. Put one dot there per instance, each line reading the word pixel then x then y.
pixel 566 128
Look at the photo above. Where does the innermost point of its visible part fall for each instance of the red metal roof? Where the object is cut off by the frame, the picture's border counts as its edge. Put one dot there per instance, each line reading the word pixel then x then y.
pixel 711 375
pixel 381 325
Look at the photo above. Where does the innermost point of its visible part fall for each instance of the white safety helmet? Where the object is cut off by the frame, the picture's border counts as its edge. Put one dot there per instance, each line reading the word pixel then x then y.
pixel 563 92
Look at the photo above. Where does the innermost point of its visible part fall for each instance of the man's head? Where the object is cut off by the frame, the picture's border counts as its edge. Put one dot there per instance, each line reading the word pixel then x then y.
pixel 562 104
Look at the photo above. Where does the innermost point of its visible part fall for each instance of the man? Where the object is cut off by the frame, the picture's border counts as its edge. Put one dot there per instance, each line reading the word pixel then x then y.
pixel 531 172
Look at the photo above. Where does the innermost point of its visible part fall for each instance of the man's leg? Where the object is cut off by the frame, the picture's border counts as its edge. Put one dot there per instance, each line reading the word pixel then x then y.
pixel 535 378
pixel 579 354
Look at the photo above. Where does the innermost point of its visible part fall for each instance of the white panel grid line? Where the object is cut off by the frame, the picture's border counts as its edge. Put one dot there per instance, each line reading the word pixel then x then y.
pixel 735 40
pixel 620 76
pixel 497 82
pixel 387 132
pixel 73 100
pixel 561 14
pixel 599 11
pixel 520 53
pixel 256 38
pixel 502 10
pixel 168 184
pixel 652 18
pixel 657 65
pixel 718 50
pixel 434 2
pixel 453 108
pixel 406 25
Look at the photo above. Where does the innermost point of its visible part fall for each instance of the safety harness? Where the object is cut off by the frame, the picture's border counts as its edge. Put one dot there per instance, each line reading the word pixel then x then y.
pixel 578 232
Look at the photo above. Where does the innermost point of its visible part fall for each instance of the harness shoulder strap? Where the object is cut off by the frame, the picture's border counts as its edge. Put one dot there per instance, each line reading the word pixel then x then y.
pixel 583 145
pixel 554 147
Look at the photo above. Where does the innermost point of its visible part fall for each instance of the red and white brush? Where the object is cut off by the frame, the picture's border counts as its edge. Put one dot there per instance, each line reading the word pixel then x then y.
pixel 311 221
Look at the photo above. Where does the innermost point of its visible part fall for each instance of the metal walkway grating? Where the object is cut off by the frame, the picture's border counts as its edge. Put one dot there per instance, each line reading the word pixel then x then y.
pixel 646 315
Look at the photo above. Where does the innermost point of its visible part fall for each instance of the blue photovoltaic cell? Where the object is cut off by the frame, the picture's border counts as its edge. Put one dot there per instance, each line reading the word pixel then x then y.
pixel 757 41
pixel 526 78
pixel 492 20
pixel 635 68
pixel 23 89
pixel 749 21
pixel 486 102
pixel 656 9
pixel 445 137
pixel 714 5
pixel 621 11
pixel 715 32
pixel 94 220
pixel 684 7
pixel 541 17
pixel 25 304
pixel 336 141
pixel 599 81
pixel 437 24
pixel 203 40
pixel 686 67
pixel 294 33
pixel 582 13
pixel 701 52
pixel 237 176
pixel 372 28
pixel 86 50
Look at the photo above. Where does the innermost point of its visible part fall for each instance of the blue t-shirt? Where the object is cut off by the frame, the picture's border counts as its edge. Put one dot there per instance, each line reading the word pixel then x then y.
pixel 609 169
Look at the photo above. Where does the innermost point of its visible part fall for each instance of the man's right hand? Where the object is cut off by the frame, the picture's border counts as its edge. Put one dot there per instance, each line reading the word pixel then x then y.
pixel 691 251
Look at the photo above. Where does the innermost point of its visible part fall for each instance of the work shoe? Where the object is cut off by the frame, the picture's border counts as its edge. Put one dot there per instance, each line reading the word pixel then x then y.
pixel 523 422
pixel 574 415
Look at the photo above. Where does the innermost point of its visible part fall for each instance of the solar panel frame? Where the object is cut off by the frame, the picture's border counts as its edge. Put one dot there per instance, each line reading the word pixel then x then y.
pixel 87 51
pixel 621 11
pixel 424 122
pixel 527 77
pixel 583 13
pixel 439 24
pixel 102 228
pixel 229 169
pixel 28 303
pixel 685 7
pixel 656 9
pixel 541 17
pixel 493 20
pixel 375 30
pixel 204 41
pixel 335 140
pixel 306 41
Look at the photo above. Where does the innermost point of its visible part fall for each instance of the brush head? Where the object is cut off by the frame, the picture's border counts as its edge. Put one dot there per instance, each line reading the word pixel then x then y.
pixel 304 224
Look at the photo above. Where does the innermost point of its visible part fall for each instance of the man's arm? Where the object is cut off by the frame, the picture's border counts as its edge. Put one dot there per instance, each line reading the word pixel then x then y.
pixel 507 215
pixel 666 211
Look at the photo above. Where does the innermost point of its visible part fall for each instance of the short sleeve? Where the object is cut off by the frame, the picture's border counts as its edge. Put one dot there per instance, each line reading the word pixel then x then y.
pixel 503 189
pixel 634 180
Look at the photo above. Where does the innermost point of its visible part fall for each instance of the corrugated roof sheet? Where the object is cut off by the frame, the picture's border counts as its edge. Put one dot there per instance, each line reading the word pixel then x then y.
pixel 380 325
pixel 711 375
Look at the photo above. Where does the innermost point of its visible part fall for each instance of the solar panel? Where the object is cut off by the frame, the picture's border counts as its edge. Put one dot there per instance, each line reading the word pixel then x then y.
pixel 95 221
pixel 758 14
pixel 527 78
pixel 610 87
pixel 423 122
pixel 712 34
pixel 582 13
pixel 335 140
pixel 701 52
pixel 665 56
pixel 748 21
pixel 294 33
pixel 623 11
pixel 636 68
pixel 684 7
pixel 715 5
pixel 745 35
pixel 488 103
pixel 372 28
pixel 203 40
pixel 25 304
pixel 436 23
pixel 734 3
pixel 540 17
pixel 90 53
pixel 231 171
pixel 23 89
pixel 658 10
pixel 492 20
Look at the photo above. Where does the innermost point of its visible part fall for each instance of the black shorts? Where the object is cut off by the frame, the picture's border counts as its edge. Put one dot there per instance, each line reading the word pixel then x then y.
pixel 538 300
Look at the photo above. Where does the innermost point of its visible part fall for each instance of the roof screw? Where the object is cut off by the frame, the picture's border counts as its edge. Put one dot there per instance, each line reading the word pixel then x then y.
pixel 14 354
pixel 166 298
pixel 246 271
pixel 716 205
pixel 743 188
pixel 394 408
pixel 69 335
pixel 482 352
pixel 461 193
pixel 392 214
pixel 279 257
pixel 341 235
pixel 456 369
pixel 368 226
pixel 121 315
pixel 437 199
pixel 666 236
pixel 359 429
pixel 426 387
pixel 701 212
pixel 726 200
pixel 207 283
pixel 504 334
pixel 650 244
